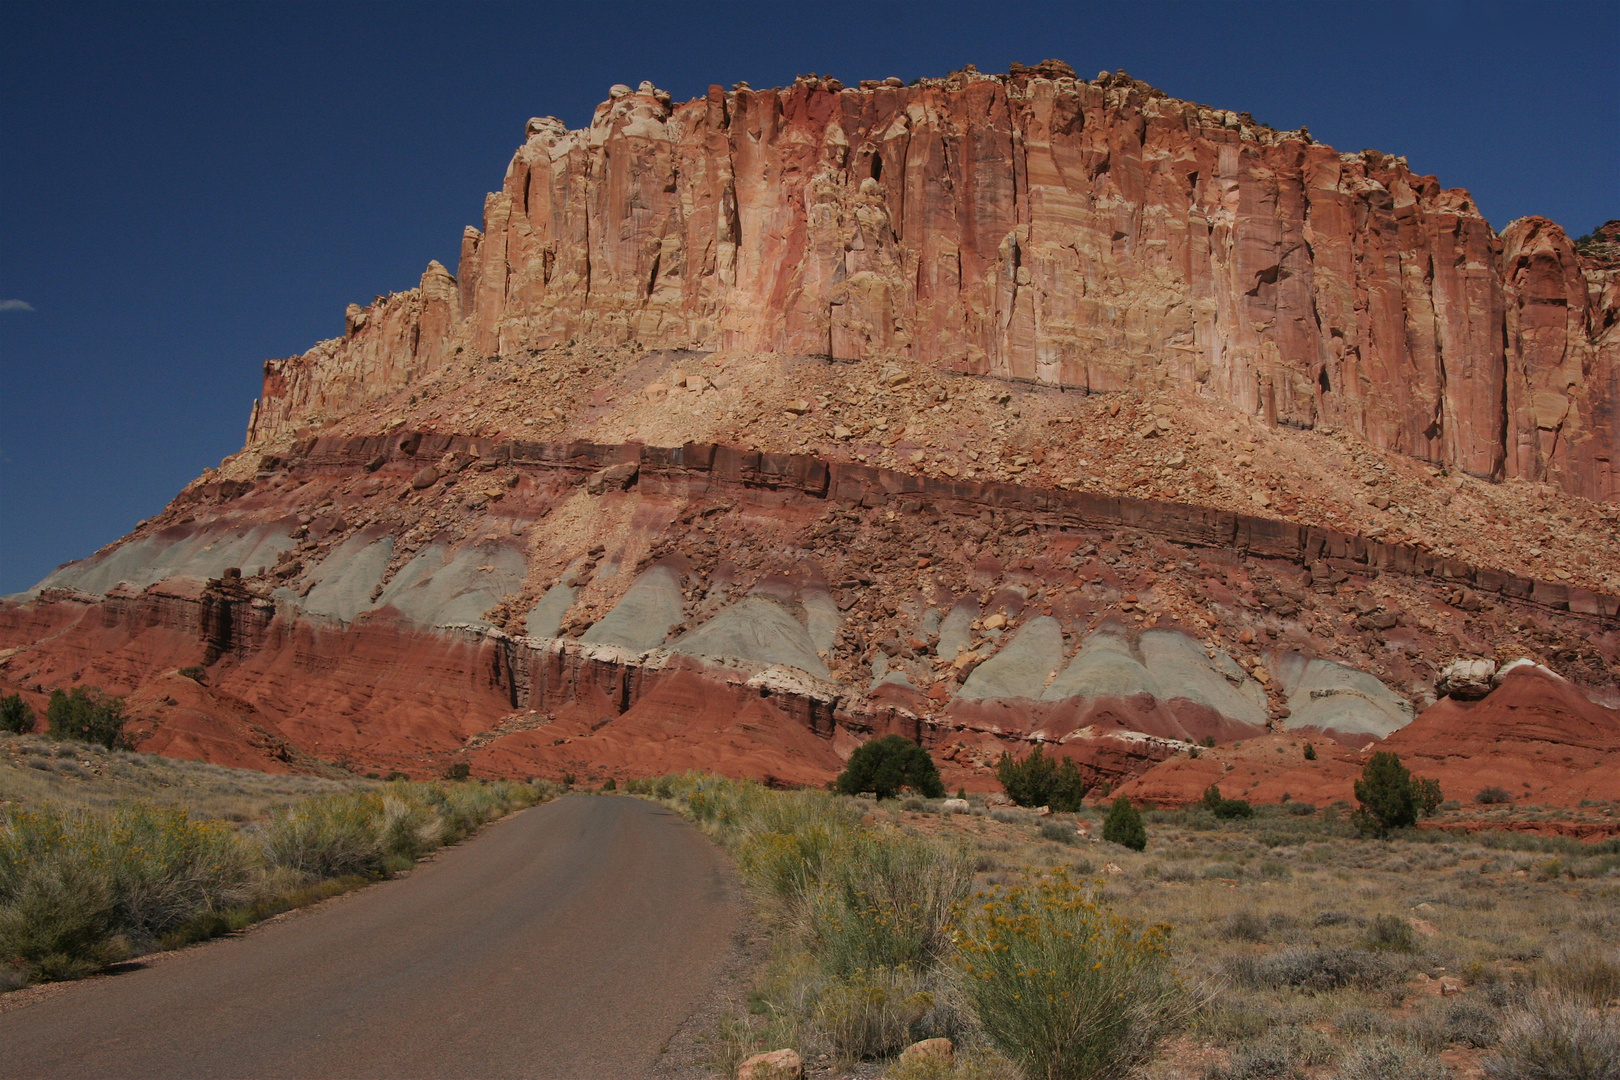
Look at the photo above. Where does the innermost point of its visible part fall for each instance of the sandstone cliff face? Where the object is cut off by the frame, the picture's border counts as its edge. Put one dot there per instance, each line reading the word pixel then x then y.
pixel 1096 235
pixel 1562 347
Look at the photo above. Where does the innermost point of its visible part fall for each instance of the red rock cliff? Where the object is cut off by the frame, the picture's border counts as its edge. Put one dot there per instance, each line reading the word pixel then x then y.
pixel 1036 226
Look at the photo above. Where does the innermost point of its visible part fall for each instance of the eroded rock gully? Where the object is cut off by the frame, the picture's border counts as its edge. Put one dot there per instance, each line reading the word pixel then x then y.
pixel 990 410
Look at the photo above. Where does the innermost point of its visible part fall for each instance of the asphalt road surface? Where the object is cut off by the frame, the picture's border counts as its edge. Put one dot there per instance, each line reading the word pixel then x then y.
pixel 568 941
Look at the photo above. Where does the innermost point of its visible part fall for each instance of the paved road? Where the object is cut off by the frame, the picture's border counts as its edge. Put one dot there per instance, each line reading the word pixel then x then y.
pixel 568 941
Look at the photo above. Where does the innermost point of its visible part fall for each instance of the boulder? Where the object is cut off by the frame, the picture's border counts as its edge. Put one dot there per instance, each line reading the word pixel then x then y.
pixel 425 478
pixel 775 1065
pixel 613 478
pixel 955 806
pixel 928 1050
pixel 1466 680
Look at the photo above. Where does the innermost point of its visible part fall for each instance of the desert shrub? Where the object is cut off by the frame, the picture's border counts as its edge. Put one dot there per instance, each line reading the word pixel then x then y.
pixel 1275 870
pixel 886 765
pixel 887 902
pixel 16 715
pixel 1386 1059
pixel 1063 986
pixel 1357 1020
pixel 1038 780
pixel 1470 1024
pixel 1492 795
pixel 1232 1015
pixel 372 833
pixel 1586 974
pixel 1424 1029
pixel 1265 1059
pixel 57 922
pixel 328 837
pixel 1391 933
pixel 789 841
pixel 1277 1054
pixel 457 770
pixel 86 714
pixel 1244 925
pixel 860 899
pixel 1556 1038
pixel 866 918
pixel 1224 808
pixel 1310 752
pixel 78 890
pixel 973 1063
pixel 1124 825
pixel 1426 793
pixel 1390 797
pixel 1057 830
pixel 1313 970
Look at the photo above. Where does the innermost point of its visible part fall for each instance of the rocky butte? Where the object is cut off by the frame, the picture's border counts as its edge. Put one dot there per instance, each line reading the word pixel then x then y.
pixel 992 409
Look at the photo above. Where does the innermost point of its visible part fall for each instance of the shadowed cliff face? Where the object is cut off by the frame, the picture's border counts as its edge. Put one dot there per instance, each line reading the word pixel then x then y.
pixel 1034 226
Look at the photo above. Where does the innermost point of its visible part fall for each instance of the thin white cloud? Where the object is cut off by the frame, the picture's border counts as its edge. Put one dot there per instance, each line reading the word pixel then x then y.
pixel 15 305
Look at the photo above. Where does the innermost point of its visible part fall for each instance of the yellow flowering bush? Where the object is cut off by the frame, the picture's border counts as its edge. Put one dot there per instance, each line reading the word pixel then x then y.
pixel 1064 987
pixel 80 889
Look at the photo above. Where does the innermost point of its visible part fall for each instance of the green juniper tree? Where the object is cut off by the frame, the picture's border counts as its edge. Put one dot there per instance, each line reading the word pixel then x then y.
pixel 1124 825
pixel 1222 807
pixel 88 715
pixel 1391 797
pixel 16 715
pixel 1042 781
pixel 886 765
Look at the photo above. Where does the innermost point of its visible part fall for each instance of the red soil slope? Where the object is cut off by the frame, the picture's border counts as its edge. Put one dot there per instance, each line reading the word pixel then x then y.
pixel 1536 736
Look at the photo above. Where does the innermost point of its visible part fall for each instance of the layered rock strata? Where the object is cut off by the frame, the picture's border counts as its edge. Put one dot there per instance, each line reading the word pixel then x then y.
pixel 759 613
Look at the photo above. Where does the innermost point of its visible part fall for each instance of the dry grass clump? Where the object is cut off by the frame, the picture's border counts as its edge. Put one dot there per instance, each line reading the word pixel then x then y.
pixel 1587 975
pixel 81 888
pixel 1555 1037
pixel 878 949
pixel 1389 1059
pixel 1333 968
pixel 1313 954
pixel 865 919
pixel 35 770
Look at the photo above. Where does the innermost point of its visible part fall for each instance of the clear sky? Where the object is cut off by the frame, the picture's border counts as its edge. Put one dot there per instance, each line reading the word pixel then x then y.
pixel 187 190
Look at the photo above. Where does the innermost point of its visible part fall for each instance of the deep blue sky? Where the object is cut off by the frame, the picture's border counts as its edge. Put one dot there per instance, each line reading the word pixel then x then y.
pixel 188 190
